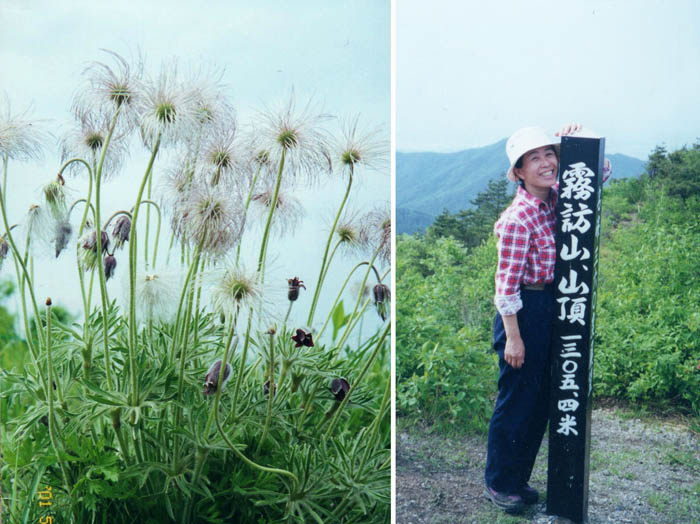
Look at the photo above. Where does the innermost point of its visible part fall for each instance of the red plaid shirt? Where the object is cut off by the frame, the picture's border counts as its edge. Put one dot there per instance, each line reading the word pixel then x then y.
pixel 526 248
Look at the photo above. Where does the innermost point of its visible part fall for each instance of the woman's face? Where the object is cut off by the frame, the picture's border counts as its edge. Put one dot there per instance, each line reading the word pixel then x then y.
pixel 539 171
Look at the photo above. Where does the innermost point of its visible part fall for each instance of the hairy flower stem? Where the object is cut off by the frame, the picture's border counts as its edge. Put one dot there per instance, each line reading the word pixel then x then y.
pixel 353 315
pixel 383 408
pixel 180 313
pixel 337 298
pixel 241 368
pixel 196 304
pixel 132 274
pixel 183 351
pixel 246 459
pixel 354 319
pixel 98 235
pixel 247 205
pixel 155 246
pixel 358 380
pixel 330 259
pixel 203 453
pixel 148 225
pixel 25 271
pixel 270 392
pixel 319 285
pixel 286 317
pixel 266 233
pixel 49 394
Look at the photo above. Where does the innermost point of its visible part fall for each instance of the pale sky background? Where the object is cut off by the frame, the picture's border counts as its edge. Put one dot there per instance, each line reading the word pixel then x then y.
pixel 336 52
pixel 471 73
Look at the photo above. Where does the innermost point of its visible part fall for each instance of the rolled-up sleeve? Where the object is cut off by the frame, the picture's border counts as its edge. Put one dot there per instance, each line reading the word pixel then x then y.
pixel 513 245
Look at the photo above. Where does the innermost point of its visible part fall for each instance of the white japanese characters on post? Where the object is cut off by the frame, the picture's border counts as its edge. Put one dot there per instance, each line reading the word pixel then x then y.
pixel 575 280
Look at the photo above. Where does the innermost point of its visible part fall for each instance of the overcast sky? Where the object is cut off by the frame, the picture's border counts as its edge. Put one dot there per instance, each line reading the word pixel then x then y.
pixel 471 73
pixel 336 52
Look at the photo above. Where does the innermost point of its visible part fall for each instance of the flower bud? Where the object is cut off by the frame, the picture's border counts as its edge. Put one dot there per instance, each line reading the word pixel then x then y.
pixel 303 338
pixel 121 230
pixel 110 266
pixel 339 388
pixel 382 295
pixel 211 380
pixel 294 285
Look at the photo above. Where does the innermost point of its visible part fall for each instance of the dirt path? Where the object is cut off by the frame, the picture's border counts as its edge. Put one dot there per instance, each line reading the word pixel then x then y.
pixel 641 472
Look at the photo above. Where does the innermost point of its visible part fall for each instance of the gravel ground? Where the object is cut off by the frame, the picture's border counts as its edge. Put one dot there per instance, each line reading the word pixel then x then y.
pixel 641 471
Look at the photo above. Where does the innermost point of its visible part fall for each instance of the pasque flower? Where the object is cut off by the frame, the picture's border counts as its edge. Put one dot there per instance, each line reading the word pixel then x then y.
pixel 266 388
pixel 339 388
pixel 107 88
pixel 303 337
pixel 382 296
pixel 156 294
pixel 212 218
pixel 4 249
pixel 121 230
pixel 288 210
pixel 88 254
pixel 167 109
pixel 110 264
pixel 62 233
pixel 86 139
pixel 21 138
pixel 211 380
pixel 297 133
pixel 376 233
pixel 357 147
pixel 235 289
pixel 294 285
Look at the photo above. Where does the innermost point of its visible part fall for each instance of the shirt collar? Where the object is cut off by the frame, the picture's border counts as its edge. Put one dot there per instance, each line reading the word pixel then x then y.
pixel 533 201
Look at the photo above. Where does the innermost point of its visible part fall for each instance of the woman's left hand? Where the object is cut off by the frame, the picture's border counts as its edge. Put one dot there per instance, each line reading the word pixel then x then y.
pixel 569 129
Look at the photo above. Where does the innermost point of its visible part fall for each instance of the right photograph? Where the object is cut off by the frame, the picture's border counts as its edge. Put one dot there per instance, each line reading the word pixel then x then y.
pixel 547 251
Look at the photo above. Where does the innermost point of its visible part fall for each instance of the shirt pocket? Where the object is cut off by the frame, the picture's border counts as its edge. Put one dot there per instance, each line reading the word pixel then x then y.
pixel 545 251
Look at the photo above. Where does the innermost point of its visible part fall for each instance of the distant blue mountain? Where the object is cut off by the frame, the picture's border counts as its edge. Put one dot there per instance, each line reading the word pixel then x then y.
pixel 428 183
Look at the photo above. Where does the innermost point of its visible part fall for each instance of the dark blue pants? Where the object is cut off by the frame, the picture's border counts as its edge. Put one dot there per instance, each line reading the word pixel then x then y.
pixel 522 407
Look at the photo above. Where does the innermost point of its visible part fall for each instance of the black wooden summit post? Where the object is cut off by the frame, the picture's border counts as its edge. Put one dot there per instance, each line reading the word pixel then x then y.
pixel 575 281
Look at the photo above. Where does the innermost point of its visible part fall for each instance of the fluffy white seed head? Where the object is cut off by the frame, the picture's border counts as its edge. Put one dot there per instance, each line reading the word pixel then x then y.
pixel 361 147
pixel 21 137
pixel 168 109
pixel 376 233
pixel 300 135
pixel 107 88
pixel 211 218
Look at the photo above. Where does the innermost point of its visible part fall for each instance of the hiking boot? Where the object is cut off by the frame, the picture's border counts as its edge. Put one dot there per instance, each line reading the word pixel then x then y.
pixel 528 494
pixel 508 503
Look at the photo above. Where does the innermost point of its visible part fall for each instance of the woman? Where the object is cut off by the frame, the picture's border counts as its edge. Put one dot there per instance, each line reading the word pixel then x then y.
pixel 522 329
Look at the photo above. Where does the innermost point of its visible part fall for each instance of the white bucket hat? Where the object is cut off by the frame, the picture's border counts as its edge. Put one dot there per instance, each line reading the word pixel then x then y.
pixel 524 140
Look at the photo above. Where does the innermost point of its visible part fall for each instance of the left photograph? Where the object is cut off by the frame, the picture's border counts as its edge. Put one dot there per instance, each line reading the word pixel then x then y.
pixel 195 256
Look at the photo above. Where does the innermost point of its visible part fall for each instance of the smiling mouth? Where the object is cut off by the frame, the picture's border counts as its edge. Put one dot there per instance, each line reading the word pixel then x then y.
pixel 547 173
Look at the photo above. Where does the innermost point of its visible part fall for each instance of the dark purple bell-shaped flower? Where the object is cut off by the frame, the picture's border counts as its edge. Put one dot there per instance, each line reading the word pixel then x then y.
pixel 382 296
pixel 339 388
pixel 266 388
pixel 303 338
pixel 211 380
pixel 294 285
pixel 110 266
pixel 121 230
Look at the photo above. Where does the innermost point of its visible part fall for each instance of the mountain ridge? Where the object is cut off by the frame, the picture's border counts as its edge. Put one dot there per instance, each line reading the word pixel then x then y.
pixel 427 182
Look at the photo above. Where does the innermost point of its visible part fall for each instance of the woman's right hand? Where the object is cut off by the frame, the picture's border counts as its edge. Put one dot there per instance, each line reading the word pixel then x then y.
pixel 568 129
pixel 514 353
